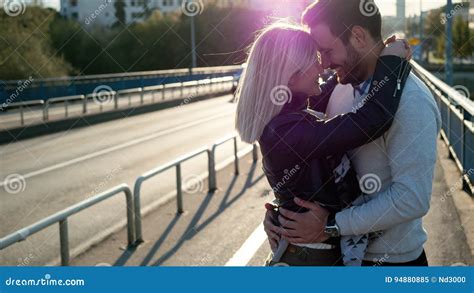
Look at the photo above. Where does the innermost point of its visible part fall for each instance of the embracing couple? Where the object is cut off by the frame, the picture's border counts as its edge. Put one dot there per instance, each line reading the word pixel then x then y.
pixel 350 161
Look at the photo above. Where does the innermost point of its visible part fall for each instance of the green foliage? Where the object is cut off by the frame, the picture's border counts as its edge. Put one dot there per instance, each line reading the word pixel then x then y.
pixel 25 46
pixel 461 38
pixel 63 47
pixel 160 42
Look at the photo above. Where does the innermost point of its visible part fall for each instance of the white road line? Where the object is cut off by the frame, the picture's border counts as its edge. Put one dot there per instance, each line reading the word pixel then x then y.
pixel 245 253
pixel 118 147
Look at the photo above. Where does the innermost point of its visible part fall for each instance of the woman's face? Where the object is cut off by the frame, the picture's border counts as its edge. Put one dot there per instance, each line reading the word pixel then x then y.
pixel 307 82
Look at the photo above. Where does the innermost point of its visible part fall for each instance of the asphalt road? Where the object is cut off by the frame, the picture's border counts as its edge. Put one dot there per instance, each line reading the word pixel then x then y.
pixel 62 169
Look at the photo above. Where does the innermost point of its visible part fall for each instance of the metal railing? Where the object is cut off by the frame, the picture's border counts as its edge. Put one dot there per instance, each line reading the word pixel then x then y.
pixel 62 218
pixel 134 226
pixel 82 85
pixel 66 101
pixel 179 190
pixel 128 75
pixel 191 88
pixel 22 105
pixel 457 127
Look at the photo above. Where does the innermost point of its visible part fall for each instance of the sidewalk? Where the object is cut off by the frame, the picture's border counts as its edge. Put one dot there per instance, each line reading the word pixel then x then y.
pixel 212 228
pixel 450 222
pixel 215 226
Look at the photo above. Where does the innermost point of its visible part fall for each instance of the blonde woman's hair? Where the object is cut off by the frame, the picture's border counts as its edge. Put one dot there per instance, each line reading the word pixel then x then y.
pixel 280 51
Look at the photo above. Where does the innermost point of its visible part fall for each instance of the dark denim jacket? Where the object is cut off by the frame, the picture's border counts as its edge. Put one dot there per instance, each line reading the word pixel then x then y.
pixel 304 156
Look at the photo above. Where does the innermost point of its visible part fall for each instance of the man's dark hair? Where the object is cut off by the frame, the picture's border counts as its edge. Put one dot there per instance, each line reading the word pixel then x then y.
pixel 341 15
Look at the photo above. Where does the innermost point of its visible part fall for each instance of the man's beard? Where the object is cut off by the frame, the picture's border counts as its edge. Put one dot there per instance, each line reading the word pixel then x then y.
pixel 353 68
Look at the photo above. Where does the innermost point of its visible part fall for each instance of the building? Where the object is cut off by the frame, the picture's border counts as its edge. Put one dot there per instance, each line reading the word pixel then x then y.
pixel 102 12
pixel 401 11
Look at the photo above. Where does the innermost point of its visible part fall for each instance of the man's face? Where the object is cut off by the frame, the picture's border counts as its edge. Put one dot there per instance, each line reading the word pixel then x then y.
pixel 338 56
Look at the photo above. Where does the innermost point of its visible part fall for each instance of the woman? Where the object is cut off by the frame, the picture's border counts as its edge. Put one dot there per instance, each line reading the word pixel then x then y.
pixel 303 154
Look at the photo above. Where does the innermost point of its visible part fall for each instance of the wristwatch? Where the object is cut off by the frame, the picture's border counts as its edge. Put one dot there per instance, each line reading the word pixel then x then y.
pixel 332 229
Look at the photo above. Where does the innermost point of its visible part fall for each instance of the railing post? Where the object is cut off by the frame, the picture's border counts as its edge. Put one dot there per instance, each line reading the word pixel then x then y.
pixel 138 212
pixel 116 97
pixel 255 152
pixel 141 96
pixel 182 90
pixel 64 242
pixel 179 189
pixel 465 132
pixel 236 157
pixel 212 169
pixel 163 92
pixel 66 103
pixel 448 125
pixel 84 105
pixel 21 116
pixel 46 111
pixel 130 217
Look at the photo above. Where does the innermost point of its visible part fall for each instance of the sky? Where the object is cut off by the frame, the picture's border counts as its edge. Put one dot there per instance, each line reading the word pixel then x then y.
pixel 387 7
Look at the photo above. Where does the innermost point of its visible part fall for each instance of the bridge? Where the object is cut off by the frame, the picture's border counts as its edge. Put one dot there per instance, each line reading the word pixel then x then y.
pixel 169 183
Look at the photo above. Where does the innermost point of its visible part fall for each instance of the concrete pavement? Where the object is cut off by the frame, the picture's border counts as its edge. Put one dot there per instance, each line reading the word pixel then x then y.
pixel 215 226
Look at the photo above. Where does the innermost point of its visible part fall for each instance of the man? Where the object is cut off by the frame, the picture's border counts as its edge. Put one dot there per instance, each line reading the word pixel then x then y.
pixel 395 171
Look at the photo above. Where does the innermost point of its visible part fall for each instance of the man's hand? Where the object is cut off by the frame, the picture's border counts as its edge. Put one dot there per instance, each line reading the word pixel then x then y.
pixel 304 227
pixel 269 226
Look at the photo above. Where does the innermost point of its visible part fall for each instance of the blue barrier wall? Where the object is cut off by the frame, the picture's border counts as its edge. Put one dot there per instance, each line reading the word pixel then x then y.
pixel 50 88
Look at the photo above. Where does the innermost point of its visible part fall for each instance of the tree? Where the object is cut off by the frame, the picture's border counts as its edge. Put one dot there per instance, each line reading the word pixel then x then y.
pixel 26 47
pixel 461 38
pixel 119 6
